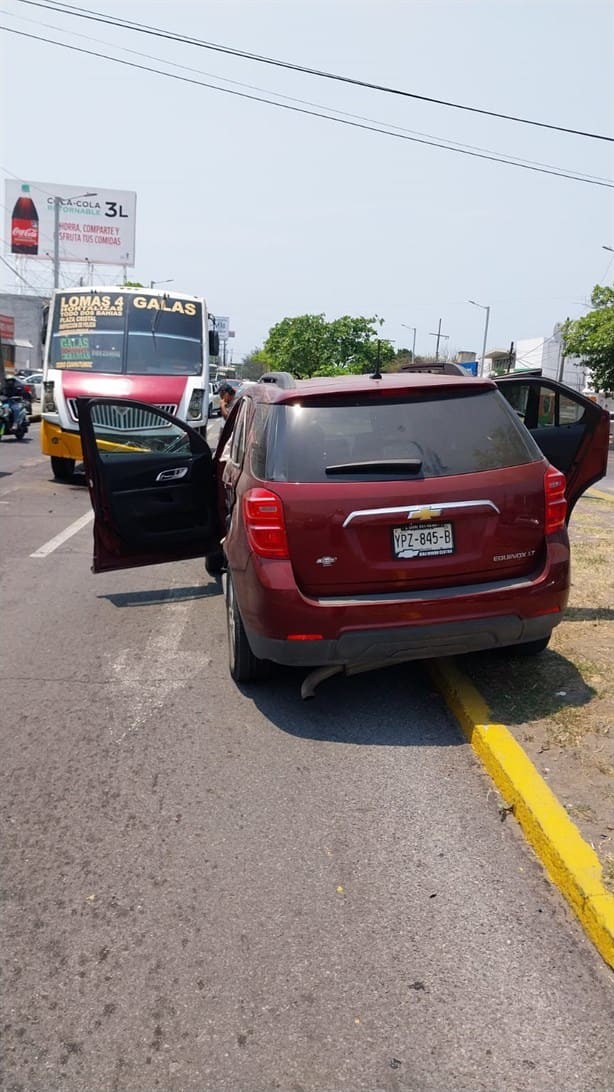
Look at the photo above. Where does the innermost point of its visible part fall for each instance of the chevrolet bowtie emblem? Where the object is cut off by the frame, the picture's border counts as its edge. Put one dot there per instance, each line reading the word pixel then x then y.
pixel 425 513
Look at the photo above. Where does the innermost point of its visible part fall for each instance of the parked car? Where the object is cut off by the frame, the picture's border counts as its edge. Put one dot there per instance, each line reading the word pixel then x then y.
pixel 215 405
pixel 361 521
pixel 33 385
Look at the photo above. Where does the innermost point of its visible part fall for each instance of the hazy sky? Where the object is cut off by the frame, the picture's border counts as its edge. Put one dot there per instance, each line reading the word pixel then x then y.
pixel 269 213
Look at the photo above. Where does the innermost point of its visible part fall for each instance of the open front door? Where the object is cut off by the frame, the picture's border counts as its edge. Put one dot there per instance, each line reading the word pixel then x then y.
pixel 151 482
pixel 572 431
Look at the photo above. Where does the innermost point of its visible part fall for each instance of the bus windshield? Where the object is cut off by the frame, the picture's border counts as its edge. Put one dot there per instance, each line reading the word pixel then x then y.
pixel 124 332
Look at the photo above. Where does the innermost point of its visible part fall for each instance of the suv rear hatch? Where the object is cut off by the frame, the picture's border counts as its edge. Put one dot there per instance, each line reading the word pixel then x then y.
pixel 386 493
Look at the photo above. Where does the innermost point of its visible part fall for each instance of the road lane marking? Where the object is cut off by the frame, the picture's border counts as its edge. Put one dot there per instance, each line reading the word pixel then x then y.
pixel 146 677
pixel 67 533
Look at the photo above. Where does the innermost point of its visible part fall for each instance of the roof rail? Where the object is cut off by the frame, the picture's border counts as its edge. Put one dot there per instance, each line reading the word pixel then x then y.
pixel 281 379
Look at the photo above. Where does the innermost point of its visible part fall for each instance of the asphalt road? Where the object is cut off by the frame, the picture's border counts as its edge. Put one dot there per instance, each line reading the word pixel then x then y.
pixel 214 889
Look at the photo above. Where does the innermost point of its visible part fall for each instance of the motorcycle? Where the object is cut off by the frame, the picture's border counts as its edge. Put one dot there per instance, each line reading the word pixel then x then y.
pixel 13 416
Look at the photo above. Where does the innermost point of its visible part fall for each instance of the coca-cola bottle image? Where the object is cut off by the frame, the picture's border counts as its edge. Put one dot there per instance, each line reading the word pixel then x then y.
pixel 24 224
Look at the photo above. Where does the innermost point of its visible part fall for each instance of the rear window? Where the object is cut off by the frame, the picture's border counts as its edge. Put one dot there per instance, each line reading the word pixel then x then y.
pixel 391 438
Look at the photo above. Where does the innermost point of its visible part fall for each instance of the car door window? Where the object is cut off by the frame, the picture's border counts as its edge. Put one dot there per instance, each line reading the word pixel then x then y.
pixel 122 429
pixel 237 441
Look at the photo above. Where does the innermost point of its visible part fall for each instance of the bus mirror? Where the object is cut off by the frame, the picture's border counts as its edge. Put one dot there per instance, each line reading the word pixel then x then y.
pixel 214 343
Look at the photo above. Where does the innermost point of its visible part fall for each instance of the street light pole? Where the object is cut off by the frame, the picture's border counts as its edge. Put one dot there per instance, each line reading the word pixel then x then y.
pixel 152 284
pixel 487 310
pixel 413 348
pixel 56 241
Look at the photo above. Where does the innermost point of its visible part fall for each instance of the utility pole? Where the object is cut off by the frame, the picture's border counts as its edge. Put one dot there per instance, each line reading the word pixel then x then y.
pixel 439 336
pixel 561 360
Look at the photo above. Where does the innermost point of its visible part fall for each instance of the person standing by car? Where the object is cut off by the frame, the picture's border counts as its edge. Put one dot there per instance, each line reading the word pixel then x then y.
pixel 227 394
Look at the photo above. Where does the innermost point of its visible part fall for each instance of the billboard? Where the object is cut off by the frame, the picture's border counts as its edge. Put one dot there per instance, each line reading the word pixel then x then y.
pixel 221 323
pixel 93 225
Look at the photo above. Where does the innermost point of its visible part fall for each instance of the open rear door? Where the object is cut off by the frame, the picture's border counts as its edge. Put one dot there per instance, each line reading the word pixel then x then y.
pixel 151 483
pixel 572 431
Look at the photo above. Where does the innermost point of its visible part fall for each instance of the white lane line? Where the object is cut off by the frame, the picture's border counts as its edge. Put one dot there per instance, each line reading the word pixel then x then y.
pixel 145 677
pixel 68 532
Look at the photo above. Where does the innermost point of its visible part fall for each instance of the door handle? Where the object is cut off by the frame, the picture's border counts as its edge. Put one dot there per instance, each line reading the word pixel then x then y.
pixel 172 475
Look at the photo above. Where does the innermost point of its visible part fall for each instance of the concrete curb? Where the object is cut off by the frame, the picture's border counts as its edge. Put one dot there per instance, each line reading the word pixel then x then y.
pixel 569 861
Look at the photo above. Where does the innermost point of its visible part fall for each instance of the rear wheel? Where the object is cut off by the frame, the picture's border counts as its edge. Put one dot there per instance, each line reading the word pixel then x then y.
pixel 21 430
pixel 244 666
pixel 63 469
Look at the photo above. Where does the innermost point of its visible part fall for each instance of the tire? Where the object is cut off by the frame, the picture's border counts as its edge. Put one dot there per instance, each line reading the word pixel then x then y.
pixel 215 562
pixel 244 666
pixel 530 648
pixel 21 430
pixel 63 469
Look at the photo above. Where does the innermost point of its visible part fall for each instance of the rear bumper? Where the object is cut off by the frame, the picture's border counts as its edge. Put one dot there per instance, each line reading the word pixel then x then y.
pixel 398 644
pixel 370 629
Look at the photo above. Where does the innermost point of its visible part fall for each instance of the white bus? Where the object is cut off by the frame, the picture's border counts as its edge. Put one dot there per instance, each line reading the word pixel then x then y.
pixel 133 343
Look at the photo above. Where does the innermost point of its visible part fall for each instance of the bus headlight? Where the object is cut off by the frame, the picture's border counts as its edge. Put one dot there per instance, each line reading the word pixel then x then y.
pixel 48 405
pixel 195 409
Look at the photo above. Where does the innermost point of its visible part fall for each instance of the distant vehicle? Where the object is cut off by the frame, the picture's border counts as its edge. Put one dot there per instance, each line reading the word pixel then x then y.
pixel 33 385
pixel 215 403
pixel 360 521
pixel 124 343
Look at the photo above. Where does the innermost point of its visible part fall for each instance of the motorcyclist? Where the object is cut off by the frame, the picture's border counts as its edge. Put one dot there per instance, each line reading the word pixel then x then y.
pixel 14 395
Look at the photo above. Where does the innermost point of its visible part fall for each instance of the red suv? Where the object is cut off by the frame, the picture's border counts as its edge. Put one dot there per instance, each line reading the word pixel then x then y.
pixel 360 521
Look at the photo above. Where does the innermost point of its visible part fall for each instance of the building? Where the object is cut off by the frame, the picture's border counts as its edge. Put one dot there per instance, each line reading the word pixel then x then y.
pixel 26 317
pixel 540 356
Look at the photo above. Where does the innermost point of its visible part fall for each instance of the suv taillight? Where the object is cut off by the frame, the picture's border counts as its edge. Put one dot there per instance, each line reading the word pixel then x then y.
pixel 556 504
pixel 263 514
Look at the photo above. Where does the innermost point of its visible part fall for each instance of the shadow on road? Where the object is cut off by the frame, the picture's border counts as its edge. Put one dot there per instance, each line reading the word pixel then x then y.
pixel 163 595
pixel 394 707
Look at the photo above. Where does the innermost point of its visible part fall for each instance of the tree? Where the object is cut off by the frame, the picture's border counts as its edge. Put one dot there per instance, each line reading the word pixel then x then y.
pixel 255 364
pixel 309 345
pixel 592 338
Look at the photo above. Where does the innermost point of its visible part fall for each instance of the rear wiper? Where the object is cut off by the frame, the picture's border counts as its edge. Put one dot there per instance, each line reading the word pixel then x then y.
pixel 377 466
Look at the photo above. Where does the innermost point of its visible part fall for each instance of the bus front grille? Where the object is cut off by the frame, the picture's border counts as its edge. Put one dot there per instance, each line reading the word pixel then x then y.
pixel 124 419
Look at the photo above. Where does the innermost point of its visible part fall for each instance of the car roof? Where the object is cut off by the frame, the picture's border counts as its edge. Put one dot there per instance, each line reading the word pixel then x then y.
pixel 269 390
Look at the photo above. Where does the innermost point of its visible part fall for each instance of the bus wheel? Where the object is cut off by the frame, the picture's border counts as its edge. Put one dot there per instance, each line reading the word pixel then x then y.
pixel 63 469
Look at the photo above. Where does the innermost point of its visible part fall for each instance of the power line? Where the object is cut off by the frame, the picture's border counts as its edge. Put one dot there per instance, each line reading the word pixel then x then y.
pixel 445 142
pixel 129 24
pixel 17 274
pixel 315 113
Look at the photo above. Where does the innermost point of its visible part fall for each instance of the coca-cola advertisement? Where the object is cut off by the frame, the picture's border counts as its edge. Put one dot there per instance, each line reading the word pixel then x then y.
pixel 92 225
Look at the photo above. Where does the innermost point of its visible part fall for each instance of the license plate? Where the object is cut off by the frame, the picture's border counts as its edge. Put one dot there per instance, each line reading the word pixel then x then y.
pixel 423 540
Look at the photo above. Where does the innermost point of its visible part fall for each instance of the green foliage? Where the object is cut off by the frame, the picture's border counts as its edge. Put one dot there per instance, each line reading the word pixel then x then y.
pixel 255 364
pixel 132 284
pixel 309 345
pixel 592 338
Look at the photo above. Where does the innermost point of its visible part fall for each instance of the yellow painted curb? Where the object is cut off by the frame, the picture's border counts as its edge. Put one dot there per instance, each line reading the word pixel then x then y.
pixel 569 861
pixel 600 495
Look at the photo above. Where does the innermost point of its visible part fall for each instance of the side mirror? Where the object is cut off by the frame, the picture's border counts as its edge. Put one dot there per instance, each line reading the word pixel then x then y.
pixel 214 343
